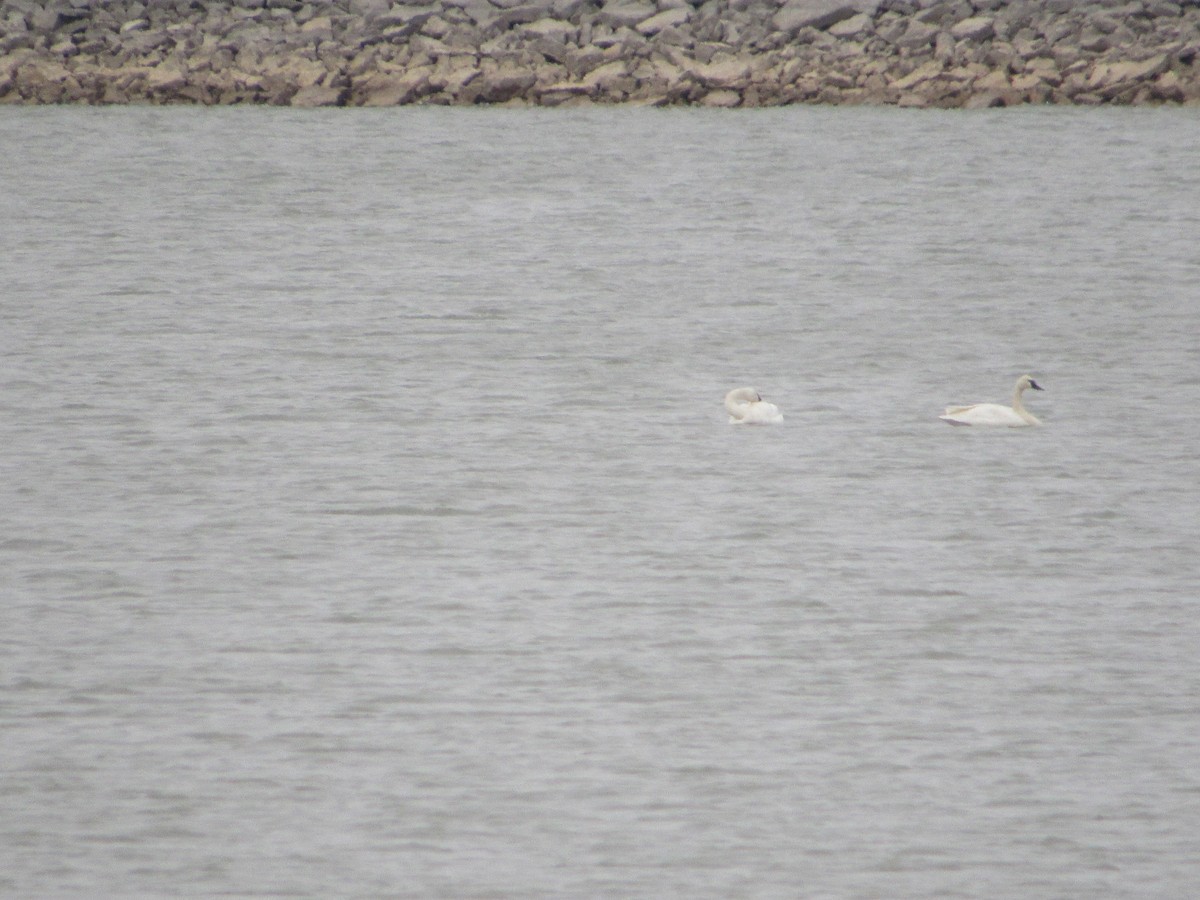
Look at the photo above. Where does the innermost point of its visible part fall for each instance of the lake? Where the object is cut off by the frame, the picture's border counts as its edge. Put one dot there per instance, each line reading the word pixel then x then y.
pixel 370 524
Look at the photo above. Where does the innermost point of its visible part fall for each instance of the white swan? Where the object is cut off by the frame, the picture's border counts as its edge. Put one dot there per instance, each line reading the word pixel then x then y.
pixel 747 407
pixel 996 414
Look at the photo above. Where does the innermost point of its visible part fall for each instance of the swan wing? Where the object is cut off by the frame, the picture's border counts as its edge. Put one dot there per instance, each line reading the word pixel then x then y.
pixel 761 413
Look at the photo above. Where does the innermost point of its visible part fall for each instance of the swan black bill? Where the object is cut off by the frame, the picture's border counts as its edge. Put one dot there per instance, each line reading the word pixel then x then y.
pixel 1037 387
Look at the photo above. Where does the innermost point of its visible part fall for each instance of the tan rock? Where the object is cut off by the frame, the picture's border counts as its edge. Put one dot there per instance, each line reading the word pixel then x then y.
pixel 381 90
pixel 993 81
pixel 627 14
pixel 316 95
pixel 660 77
pixel 1168 87
pixel 967 73
pixel 114 95
pixel 604 78
pixel 389 89
pixel 984 100
pixel 165 79
pixel 721 99
pixel 551 28
pixel 566 87
pixel 1108 74
pixel 584 59
pixel 453 74
pixel 722 75
pixel 795 15
pixel 304 73
pixel 559 95
pixel 1045 68
pixel 319 28
pixel 979 28
pixel 853 28
pixel 840 80
pixel 918 75
pixel 917 35
pixel 668 18
pixel 503 83
pixel 41 81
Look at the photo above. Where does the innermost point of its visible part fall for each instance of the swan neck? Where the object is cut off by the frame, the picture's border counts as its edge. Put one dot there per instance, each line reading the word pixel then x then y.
pixel 1016 403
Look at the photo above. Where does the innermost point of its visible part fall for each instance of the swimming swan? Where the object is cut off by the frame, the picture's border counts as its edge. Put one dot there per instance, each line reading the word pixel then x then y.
pixel 996 414
pixel 747 407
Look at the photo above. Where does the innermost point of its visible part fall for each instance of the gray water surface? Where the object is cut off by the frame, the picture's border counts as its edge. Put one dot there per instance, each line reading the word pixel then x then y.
pixel 370 524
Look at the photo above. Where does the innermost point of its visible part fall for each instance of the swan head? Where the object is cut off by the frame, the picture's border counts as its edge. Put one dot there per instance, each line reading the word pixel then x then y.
pixel 1026 381
pixel 743 395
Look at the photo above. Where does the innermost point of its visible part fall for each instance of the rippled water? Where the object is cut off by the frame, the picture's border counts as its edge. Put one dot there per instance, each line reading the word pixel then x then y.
pixel 370 524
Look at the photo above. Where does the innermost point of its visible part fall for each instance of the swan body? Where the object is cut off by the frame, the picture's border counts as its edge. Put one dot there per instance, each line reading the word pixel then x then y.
pixel 747 407
pixel 996 415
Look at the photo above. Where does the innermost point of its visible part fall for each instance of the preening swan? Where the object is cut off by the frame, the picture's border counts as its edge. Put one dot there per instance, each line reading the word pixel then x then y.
pixel 747 407
pixel 996 414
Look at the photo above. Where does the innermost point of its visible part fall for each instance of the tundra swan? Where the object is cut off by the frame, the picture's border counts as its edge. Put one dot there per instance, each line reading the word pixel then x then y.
pixel 747 407
pixel 996 414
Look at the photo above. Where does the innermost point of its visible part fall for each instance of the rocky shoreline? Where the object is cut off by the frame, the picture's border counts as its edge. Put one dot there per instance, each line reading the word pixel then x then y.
pixel 722 53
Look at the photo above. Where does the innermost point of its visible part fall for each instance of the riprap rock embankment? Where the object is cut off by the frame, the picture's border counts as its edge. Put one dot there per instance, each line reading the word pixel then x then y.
pixel 946 53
